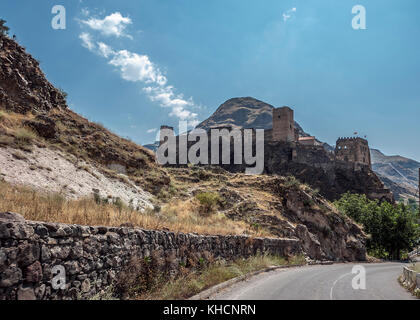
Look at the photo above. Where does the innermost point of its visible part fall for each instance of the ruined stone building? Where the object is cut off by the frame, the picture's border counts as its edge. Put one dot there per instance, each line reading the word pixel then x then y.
pixel 348 168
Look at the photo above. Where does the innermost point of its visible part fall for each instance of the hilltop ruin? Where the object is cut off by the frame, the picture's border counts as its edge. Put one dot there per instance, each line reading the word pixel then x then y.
pixel 286 152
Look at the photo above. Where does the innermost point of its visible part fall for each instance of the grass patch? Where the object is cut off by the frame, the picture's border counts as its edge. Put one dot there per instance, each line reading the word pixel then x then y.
pixel 177 216
pixel 24 136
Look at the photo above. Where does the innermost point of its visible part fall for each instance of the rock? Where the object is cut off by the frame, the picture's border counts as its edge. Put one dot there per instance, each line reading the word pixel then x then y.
pixel 33 273
pixel 43 126
pixel 40 291
pixel 11 276
pixel 76 284
pixel 72 267
pixel 3 258
pixel 45 254
pixel 73 293
pixel 310 244
pixel 28 254
pixel 26 293
pixel 41 231
pixel 86 286
pixel 11 216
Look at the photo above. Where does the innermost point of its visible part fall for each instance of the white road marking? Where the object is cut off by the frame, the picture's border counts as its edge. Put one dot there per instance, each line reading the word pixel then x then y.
pixel 335 282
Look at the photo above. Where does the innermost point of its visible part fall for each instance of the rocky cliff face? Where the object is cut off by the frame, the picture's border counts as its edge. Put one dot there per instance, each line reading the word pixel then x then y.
pixel 23 86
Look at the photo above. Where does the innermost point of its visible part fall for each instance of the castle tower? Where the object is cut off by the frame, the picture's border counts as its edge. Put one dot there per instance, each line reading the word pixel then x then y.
pixel 353 150
pixel 283 125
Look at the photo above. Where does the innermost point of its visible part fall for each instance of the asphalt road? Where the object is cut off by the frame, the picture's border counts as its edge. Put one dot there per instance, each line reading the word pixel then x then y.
pixel 320 282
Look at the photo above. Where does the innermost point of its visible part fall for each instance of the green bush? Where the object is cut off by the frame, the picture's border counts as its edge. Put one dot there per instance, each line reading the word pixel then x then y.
pixel 393 229
pixel 208 201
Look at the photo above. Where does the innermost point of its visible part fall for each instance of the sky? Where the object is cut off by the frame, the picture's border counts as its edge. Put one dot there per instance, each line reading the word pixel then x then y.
pixel 134 65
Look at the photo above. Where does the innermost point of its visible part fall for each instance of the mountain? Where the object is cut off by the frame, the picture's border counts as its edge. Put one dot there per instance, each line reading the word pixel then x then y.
pixel 244 112
pixel 398 173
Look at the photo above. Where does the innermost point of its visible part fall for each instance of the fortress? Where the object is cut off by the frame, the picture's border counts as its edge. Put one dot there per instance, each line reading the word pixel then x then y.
pixel 354 150
pixel 287 152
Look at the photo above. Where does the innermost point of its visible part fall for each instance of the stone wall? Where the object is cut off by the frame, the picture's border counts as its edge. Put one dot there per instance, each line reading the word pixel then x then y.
pixel 93 256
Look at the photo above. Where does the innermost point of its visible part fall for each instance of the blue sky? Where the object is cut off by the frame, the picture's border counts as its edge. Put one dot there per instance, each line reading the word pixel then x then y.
pixel 134 65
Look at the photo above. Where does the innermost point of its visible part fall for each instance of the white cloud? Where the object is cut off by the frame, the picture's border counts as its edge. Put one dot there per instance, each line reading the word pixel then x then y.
pixel 112 25
pixel 152 130
pixel 136 67
pixel 105 50
pixel 288 14
pixel 87 41
pixel 166 97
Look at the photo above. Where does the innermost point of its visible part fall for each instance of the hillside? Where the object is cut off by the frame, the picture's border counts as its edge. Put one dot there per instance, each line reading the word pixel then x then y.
pixel 45 145
pixel 398 173
pixel 60 167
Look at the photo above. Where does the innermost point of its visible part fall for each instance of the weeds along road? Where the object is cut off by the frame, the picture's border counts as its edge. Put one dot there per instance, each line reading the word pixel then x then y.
pixel 321 282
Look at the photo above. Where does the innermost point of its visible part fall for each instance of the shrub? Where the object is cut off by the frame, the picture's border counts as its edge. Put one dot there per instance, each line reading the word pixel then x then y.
pixel 291 182
pixel 208 201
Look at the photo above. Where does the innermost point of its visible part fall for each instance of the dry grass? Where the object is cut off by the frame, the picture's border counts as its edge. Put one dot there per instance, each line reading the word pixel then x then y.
pixel 192 282
pixel 24 136
pixel 177 216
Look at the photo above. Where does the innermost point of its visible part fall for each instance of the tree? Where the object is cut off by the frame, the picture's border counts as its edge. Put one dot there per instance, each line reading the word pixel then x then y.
pixel 4 30
pixel 392 229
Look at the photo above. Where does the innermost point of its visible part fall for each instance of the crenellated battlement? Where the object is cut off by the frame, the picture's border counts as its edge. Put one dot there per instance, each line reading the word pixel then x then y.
pixel 353 149
pixel 342 139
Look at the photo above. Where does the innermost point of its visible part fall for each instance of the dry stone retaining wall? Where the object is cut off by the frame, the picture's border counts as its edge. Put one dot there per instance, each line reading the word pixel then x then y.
pixel 31 252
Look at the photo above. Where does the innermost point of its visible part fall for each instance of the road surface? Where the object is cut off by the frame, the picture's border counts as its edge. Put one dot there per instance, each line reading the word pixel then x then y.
pixel 320 282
